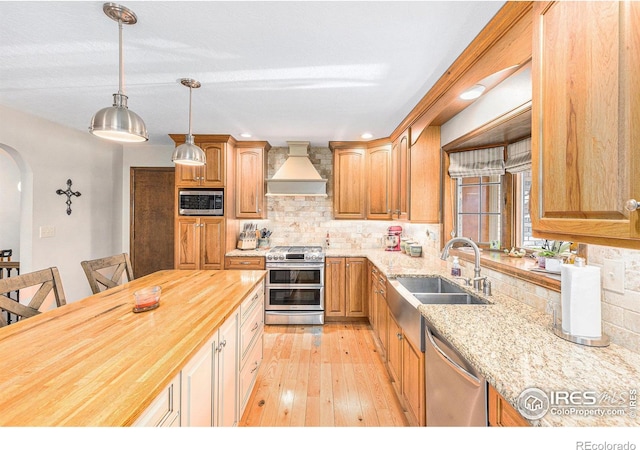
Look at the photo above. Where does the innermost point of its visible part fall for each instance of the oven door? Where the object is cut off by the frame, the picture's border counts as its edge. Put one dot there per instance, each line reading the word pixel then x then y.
pixel 294 298
pixel 295 274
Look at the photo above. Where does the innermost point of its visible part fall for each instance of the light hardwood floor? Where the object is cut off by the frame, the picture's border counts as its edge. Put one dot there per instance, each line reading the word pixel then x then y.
pixel 325 375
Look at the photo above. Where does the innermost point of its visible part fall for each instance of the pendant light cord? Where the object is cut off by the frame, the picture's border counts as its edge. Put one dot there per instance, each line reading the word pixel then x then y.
pixel 190 89
pixel 121 75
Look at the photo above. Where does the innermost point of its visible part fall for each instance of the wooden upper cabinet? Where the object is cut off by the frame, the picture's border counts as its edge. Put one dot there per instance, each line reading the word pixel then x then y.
pixel 425 177
pixel 586 122
pixel 379 176
pixel 251 171
pixel 349 183
pixel 400 181
pixel 213 173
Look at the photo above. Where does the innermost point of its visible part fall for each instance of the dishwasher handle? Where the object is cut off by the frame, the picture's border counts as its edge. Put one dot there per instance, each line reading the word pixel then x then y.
pixel 464 372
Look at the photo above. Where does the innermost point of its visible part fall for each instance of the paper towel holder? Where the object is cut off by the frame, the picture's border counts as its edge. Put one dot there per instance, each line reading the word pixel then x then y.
pixel 603 341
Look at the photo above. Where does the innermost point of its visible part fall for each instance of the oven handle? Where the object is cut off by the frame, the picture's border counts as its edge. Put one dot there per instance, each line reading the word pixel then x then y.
pixel 292 265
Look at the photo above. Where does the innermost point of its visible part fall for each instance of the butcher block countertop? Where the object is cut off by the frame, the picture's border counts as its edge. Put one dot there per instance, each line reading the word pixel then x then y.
pixel 97 363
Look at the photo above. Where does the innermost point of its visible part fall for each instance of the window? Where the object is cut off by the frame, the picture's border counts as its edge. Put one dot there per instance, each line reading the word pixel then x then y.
pixel 479 208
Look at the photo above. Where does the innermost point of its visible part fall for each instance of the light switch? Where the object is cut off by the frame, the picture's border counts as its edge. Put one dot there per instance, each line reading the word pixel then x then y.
pixel 47 231
pixel 613 276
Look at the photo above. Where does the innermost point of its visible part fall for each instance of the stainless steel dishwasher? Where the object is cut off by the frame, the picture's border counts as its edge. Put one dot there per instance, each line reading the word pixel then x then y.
pixel 456 394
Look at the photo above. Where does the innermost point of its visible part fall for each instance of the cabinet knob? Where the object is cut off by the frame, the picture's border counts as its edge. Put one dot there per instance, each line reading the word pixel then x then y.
pixel 631 205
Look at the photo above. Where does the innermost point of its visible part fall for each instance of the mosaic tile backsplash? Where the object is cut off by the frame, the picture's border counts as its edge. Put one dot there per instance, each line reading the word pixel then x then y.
pixel 307 220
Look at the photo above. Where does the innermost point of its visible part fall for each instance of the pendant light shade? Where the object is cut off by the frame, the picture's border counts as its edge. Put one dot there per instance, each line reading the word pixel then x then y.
pixel 189 154
pixel 118 122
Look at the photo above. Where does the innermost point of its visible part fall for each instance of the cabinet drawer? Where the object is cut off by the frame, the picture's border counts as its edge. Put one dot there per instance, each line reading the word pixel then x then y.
pixel 251 329
pixel 256 297
pixel 164 411
pixel 249 373
pixel 248 262
pixel 501 413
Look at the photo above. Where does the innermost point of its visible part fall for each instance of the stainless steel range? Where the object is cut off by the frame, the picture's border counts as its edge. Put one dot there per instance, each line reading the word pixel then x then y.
pixel 295 286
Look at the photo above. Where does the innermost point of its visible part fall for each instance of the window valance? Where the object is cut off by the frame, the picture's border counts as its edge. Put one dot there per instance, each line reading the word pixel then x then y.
pixel 477 163
pixel 519 156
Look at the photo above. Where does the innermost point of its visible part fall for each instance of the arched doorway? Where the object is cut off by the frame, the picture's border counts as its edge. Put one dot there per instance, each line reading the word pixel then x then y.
pixel 16 206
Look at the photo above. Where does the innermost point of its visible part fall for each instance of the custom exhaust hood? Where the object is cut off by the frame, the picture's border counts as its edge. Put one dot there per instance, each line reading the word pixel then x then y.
pixel 297 176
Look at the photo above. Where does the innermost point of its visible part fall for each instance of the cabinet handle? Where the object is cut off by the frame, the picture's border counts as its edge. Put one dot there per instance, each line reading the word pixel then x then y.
pixel 256 367
pixel 399 336
pixel 347 265
pixel 245 263
pixel 255 327
pixel 632 205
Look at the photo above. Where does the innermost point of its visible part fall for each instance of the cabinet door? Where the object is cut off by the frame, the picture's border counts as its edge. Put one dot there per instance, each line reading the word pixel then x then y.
pixel 187 254
pixel 394 351
pixel 400 182
pixel 379 182
pixel 213 172
pixel 334 287
pixel 356 304
pixel 188 175
pixel 373 292
pixel 586 121
pixel 227 370
pixel 164 411
pixel 349 191
pixel 501 413
pixel 212 243
pixel 413 382
pixel 250 175
pixel 197 389
pixel 425 177
pixel 382 319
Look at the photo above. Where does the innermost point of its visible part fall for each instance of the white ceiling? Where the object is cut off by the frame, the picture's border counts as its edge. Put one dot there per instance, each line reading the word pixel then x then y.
pixel 303 70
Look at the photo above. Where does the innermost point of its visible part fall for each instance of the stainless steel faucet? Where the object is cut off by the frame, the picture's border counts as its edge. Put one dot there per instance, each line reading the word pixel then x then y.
pixel 476 271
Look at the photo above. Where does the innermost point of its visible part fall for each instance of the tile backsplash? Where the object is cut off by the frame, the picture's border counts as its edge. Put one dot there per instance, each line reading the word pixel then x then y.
pixel 307 220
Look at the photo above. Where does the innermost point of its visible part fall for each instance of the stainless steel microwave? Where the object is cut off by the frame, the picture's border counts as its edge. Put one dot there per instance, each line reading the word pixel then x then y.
pixel 201 202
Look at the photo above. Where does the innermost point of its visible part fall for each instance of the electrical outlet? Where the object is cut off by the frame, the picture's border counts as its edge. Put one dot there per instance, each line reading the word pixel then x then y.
pixel 359 228
pixel 613 276
pixel 47 231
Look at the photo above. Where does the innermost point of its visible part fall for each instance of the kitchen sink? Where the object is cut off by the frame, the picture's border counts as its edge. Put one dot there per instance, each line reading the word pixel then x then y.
pixel 429 285
pixel 449 299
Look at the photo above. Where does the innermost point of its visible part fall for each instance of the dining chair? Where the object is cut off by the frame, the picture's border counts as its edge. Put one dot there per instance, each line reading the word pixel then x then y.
pixel 48 279
pixel 105 273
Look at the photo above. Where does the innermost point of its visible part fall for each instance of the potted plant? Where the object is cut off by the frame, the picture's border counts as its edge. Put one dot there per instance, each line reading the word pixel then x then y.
pixel 552 254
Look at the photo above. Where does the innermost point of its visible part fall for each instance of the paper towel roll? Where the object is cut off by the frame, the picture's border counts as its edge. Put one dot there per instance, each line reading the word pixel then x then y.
pixel 580 293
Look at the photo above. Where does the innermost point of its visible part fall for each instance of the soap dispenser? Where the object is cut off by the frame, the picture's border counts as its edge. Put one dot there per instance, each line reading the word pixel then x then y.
pixel 456 271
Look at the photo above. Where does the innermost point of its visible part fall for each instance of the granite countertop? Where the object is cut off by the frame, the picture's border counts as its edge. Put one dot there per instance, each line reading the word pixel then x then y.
pixel 513 346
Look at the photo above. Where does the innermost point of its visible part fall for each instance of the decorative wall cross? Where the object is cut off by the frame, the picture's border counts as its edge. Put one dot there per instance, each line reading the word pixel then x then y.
pixel 68 193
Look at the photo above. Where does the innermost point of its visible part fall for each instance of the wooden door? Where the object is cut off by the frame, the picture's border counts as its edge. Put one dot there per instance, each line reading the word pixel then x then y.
pixel 212 239
pixel 356 304
pixel 586 121
pixel 334 287
pixel 349 174
pixel 250 175
pixel 379 182
pixel 187 253
pixel 400 181
pixel 152 219
pixel 213 171
pixel 413 381
pixel 394 350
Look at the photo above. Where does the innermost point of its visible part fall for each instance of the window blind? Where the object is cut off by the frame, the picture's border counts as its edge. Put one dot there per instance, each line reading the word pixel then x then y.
pixel 519 156
pixel 477 163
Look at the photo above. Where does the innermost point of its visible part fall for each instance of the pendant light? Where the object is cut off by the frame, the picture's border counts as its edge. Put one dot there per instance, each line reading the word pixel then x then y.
pixel 118 122
pixel 189 154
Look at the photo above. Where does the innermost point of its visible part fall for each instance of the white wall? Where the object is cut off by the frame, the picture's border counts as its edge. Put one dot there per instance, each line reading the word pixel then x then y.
pixel 47 155
pixel 9 205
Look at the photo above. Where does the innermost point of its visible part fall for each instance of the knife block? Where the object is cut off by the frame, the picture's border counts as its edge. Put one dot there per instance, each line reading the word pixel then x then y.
pixel 247 243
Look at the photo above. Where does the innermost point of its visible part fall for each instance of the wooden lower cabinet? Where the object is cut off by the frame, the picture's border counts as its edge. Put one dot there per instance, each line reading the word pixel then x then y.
pixel 244 262
pixel 382 314
pixel 345 288
pixel 199 243
pixel 501 413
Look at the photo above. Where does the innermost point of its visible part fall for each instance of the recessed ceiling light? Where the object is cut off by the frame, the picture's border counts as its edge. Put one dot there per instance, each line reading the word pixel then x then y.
pixel 366 136
pixel 245 135
pixel 473 92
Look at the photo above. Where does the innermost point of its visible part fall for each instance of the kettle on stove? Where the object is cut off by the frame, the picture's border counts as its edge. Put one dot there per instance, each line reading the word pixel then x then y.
pixel 392 239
